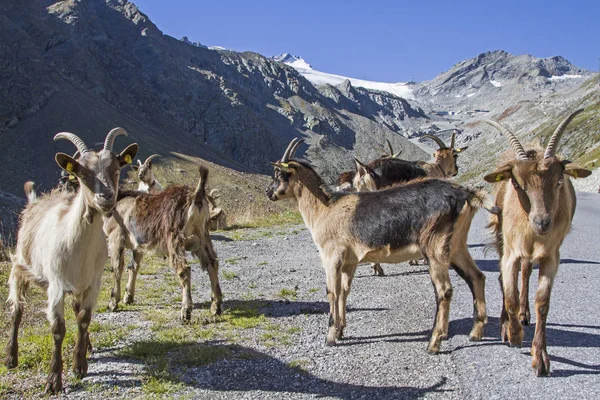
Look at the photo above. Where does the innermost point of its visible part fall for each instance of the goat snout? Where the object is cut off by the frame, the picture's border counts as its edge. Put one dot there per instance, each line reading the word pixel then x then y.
pixel 541 224
pixel 104 197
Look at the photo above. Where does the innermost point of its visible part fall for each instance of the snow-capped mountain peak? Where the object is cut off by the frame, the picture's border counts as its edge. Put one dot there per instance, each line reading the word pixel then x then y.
pixel 400 89
pixel 294 61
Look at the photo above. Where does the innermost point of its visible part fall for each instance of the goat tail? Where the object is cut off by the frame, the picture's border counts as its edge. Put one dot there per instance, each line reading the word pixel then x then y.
pixel 480 199
pixel 200 192
pixel 495 228
pixel 30 192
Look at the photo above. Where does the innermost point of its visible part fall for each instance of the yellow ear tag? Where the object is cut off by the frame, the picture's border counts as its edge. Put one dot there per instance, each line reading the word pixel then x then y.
pixel 285 165
pixel 71 177
pixel 499 177
pixel 575 173
pixel 70 167
pixel 128 159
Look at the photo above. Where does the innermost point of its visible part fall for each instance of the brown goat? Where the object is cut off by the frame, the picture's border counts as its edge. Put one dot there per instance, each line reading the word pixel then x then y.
pixel 426 217
pixel 170 222
pixel 444 164
pixel 538 201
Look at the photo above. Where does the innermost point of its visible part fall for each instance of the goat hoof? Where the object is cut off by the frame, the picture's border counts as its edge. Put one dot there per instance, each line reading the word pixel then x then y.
pixel 53 383
pixel 11 361
pixel 516 338
pixel 339 334
pixel 216 309
pixel 113 306
pixel 129 299
pixel 377 270
pixel 477 332
pixel 330 342
pixel 524 320
pixel 186 315
pixel 541 363
pixel 434 346
pixel 433 349
pixel 80 369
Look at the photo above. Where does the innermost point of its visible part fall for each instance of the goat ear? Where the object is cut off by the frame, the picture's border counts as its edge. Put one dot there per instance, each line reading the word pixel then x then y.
pixel 285 167
pixel 501 174
pixel 576 171
pixel 67 163
pixel 127 155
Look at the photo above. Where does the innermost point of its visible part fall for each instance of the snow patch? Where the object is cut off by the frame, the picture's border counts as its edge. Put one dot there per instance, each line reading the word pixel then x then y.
pixel 563 77
pixel 495 83
pixel 400 89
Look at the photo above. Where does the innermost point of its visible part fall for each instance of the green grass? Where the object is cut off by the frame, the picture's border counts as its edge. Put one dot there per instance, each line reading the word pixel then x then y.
pixel 288 294
pixel 228 275
pixel 299 365
pixel 262 263
pixel 276 219
pixel 234 260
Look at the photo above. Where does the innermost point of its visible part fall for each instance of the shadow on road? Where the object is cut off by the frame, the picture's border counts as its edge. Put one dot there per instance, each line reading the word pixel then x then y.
pixel 494 265
pixel 247 369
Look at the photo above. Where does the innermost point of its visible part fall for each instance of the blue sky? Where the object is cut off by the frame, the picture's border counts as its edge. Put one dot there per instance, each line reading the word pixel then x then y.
pixel 387 40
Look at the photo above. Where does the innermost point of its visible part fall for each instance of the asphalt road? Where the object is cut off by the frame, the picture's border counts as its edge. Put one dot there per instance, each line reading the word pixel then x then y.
pixel 389 321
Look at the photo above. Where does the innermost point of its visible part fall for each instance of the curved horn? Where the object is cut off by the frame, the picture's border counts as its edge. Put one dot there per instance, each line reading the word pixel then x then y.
pixel 286 154
pixel 436 139
pixel 512 139
pixel 453 138
pixel 293 151
pixel 390 147
pixel 73 138
pixel 149 159
pixel 558 133
pixel 110 138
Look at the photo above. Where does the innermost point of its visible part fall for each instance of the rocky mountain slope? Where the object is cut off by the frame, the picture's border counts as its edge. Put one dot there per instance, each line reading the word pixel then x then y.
pixel 88 66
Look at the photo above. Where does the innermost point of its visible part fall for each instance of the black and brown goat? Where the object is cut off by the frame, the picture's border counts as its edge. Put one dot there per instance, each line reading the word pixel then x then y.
pixel 423 218
pixel 170 222
pixel 538 202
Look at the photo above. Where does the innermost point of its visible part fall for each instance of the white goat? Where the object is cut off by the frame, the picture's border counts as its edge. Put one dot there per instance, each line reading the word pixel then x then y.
pixel 61 247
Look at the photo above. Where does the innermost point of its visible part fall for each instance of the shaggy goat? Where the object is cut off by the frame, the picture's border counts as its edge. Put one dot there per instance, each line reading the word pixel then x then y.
pixel 423 218
pixel 61 247
pixel 149 184
pixel 170 222
pixel 538 201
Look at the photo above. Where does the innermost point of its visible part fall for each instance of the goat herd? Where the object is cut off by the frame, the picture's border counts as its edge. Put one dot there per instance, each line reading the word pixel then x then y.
pixel 403 211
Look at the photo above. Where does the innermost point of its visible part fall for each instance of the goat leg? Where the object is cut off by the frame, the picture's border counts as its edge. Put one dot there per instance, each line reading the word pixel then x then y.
pixel 524 313
pixel 54 381
pixel 510 276
pixel 80 364
pixel 377 270
pixel 540 359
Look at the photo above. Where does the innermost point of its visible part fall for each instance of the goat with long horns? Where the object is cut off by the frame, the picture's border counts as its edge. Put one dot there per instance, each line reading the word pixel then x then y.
pixel 538 202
